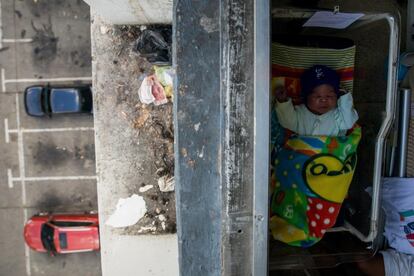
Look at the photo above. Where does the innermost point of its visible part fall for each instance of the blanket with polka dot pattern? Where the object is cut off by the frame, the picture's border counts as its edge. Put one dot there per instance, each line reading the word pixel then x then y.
pixel 310 179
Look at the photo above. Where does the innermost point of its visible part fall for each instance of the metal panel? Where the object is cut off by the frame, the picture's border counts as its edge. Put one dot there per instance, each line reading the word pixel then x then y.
pixel 237 44
pixel 403 125
pixel 261 135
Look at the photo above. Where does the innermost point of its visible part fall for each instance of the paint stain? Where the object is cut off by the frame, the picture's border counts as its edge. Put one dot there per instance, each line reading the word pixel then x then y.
pixel 44 44
pixel 50 155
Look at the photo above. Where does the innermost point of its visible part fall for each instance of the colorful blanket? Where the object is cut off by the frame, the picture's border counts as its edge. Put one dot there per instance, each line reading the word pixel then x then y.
pixel 310 179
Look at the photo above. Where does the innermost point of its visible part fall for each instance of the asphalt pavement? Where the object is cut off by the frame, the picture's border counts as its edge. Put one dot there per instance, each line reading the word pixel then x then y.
pixel 47 164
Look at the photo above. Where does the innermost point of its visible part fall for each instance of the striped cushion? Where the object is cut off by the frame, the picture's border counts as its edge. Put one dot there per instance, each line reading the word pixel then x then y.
pixel 289 62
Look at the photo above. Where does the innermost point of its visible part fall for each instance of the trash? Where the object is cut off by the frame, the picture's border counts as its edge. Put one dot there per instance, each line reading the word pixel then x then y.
pixel 128 211
pixel 165 75
pixel 145 188
pixel 154 44
pixel 166 184
pixel 151 91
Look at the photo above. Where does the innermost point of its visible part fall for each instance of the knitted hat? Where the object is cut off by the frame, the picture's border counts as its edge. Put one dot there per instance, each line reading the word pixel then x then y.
pixel 318 75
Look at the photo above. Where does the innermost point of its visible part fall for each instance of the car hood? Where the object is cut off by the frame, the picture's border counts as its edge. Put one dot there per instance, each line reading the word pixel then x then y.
pixel 72 239
pixel 33 101
pixel 65 100
pixel 32 235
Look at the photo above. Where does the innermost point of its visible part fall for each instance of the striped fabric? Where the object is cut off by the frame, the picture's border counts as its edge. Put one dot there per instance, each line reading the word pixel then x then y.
pixel 290 62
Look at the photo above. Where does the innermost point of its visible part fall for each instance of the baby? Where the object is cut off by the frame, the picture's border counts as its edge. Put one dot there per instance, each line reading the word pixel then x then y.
pixel 326 111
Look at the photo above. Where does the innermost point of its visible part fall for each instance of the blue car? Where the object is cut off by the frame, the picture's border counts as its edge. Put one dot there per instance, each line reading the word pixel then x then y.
pixel 47 100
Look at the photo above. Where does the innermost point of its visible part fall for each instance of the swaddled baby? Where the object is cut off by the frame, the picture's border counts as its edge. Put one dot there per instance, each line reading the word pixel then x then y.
pixel 326 111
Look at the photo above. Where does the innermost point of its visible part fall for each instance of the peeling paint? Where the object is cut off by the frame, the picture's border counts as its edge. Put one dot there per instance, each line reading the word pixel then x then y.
pixel 197 126
pixel 201 153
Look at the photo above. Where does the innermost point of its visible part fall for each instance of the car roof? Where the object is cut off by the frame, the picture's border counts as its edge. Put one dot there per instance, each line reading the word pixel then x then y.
pixel 65 100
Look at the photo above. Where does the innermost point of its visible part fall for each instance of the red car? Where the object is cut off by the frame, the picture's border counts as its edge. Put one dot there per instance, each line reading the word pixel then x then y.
pixel 62 233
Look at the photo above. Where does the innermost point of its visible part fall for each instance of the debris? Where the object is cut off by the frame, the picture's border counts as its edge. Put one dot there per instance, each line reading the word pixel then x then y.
pixel 147 228
pixel 155 44
pixel 162 218
pixel 151 91
pixel 145 92
pixel 145 188
pixel 165 75
pixel 128 211
pixel 141 119
pixel 166 184
pixel 103 29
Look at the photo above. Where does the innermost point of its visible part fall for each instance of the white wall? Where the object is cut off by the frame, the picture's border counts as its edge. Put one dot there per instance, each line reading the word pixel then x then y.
pixel 133 11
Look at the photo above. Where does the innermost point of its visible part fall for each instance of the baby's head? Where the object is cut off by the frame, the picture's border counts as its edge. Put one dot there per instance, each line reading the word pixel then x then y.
pixel 320 89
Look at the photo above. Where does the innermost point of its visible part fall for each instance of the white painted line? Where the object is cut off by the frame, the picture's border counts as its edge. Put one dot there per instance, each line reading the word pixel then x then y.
pixel 26 248
pixel 3 76
pixel 39 130
pixel 19 40
pixel 1 29
pixel 20 150
pixel 4 81
pixel 48 80
pixel 62 129
pixel 10 178
pixel 6 130
pixel 54 178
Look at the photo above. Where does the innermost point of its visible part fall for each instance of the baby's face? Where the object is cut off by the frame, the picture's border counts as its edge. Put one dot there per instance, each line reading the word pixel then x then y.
pixel 322 99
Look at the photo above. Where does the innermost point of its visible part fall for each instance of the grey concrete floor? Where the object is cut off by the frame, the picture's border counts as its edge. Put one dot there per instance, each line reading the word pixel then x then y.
pixel 50 41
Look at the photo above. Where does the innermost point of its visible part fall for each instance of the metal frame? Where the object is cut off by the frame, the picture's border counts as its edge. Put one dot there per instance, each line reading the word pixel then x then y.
pixel 261 136
pixel 390 111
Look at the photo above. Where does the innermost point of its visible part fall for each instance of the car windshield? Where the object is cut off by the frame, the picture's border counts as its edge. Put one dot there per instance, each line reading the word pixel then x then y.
pixel 45 100
pixel 47 238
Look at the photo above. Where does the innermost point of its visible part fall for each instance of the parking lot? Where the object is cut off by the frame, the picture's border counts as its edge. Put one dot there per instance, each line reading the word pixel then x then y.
pixel 48 164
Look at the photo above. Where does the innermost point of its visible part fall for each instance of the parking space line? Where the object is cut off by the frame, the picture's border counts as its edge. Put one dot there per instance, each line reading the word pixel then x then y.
pixel 26 248
pixel 40 130
pixel 4 82
pixel 20 151
pixel 3 76
pixel 53 178
pixel 1 28
pixel 10 178
pixel 6 130
pixel 18 40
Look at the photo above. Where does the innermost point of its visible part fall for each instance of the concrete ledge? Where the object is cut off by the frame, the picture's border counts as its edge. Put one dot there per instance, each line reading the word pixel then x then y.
pixel 133 11
pixel 131 151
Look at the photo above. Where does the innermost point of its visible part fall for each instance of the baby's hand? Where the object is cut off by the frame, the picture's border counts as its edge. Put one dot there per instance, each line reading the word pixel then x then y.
pixel 280 94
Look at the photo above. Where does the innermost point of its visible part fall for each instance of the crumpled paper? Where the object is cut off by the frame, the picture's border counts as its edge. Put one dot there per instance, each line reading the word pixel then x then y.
pixel 128 211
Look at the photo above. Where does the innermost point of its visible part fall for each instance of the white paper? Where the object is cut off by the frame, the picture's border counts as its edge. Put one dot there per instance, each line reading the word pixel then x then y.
pixel 145 92
pixel 328 19
pixel 128 211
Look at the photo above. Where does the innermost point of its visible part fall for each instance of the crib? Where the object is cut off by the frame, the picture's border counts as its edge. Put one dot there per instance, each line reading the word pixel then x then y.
pixel 357 234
